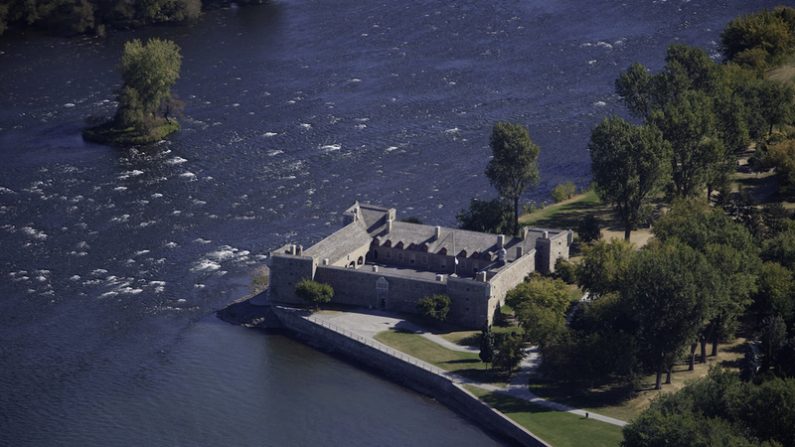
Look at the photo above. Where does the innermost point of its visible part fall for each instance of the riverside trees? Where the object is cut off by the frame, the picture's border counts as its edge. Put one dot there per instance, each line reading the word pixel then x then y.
pixel 144 115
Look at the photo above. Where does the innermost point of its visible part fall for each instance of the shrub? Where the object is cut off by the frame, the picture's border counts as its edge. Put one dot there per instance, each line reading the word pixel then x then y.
pixel 589 229
pixel 566 270
pixel 564 191
pixel 434 307
pixel 314 292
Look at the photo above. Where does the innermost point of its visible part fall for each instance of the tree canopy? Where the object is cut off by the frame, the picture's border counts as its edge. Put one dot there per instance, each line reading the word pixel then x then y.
pixel 629 164
pixel 514 165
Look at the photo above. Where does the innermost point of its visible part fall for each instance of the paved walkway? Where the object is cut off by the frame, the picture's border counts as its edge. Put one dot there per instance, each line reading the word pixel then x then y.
pixel 369 323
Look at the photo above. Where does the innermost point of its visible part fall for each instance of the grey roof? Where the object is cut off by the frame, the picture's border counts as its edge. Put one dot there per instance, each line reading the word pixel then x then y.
pixel 453 240
pixel 340 243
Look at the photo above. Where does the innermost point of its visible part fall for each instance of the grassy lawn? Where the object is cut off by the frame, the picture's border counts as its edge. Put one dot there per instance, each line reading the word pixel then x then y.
pixel 569 213
pixel 472 338
pixel 624 403
pixel 557 428
pixel 464 363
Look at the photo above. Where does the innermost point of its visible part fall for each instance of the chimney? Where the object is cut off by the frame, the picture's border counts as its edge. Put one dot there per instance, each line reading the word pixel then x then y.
pixel 291 250
pixel 325 261
pixel 525 232
pixel 438 232
pixel 439 278
pixel 501 255
pixel 375 268
pixel 300 250
pixel 389 225
pixel 519 252
pixel 500 241
pixel 546 234
pixel 481 276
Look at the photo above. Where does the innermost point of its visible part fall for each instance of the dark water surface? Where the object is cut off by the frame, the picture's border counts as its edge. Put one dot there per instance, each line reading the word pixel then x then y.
pixel 113 261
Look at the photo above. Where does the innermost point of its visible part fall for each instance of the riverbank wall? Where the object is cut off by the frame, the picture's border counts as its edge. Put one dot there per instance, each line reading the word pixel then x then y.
pixel 394 365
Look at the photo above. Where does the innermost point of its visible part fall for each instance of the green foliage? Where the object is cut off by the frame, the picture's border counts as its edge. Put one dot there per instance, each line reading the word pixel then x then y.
pixel 540 306
pixel 604 266
pixel 564 191
pixel 566 271
pixel 667 288
pixel 782 157
pixel 589 229
pixel 509 352
pixel 689 124
pixel 635 86
pixel 514 165
pixel 149 71
pixel 629 164
pixel 718 410
pixel 763 37
pixel 486 346
pixel 781 249
pixel 487 216
pixel 434 307
pixel 314 292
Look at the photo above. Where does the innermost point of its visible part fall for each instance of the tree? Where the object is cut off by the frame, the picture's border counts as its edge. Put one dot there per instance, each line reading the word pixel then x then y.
pixel 434 307
pixel 775 102
pixel 486 216
pixel 588 228
pixel 604 266
pixel 688 123
pixel 629 164
pixel 509 352
pixel 665 288
pixel 514 166
pixel 486 346
pixel 564 191
pixel 772 32
pixel 314 292
pixel 149 71
pixel 540 306
pixel 634 86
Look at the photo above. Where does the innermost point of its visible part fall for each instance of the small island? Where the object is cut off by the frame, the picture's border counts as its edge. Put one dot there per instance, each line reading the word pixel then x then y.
pixel 146 106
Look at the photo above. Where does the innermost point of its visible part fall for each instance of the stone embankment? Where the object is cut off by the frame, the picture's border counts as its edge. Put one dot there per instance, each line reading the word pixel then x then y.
pixel 399 367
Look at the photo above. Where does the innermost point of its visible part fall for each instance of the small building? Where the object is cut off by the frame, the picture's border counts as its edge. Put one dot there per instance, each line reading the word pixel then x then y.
pixel 376 261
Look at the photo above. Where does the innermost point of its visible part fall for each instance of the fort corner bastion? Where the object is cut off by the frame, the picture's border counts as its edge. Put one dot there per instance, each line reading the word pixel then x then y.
pixel 378 262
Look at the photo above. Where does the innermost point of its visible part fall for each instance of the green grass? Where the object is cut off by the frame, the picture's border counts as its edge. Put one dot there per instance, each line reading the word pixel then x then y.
pixel 472 338
pixel 108 134
pixel 566 214
pixel 464 363
pixel 555 427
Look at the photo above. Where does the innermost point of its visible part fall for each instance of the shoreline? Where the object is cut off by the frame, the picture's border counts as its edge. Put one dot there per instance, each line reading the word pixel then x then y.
pixel 394 366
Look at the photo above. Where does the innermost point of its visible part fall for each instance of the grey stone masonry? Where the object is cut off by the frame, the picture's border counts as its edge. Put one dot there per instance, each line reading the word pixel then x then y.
pixel 379 262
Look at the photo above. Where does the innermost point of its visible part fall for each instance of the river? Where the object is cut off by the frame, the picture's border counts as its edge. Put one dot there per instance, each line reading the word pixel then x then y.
pixel 113 261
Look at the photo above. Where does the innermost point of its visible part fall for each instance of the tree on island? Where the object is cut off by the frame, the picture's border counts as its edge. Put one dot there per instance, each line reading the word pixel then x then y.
pixel 146 107
pixel 629 164
pixel 314 292
pixel 514 166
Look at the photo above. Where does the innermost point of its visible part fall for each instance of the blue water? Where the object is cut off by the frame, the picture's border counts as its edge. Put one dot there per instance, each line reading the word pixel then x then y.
pixel 113 261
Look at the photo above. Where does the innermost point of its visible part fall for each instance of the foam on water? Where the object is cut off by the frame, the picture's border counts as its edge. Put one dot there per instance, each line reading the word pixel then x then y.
pixel 34 233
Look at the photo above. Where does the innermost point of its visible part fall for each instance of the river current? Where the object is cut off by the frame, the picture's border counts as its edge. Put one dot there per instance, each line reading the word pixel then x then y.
pixel 113 261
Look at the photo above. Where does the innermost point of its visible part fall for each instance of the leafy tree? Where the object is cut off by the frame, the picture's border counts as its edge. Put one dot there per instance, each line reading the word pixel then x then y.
pixel 689 125
pixel 487 216
pixel 514 165
pixel 781 249
pixel 149 71
pixel 776 101
pixel 588 228
pixel 635 87
pixel 314 292
pixel 566 271
pixel 564 191
pixel 509 352
pixel 604 266
pixel 629 164
pixel 665 288
pixel 772 32
pixel 540 305
pixel 486 346
pixel 434 307
pixel 776 292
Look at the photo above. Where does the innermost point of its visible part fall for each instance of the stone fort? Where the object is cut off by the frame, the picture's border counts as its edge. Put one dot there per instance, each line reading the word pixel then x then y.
pixel 378 262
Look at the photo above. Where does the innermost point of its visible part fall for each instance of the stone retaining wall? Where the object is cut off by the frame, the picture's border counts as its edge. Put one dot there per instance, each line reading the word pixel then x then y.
pixel 401 368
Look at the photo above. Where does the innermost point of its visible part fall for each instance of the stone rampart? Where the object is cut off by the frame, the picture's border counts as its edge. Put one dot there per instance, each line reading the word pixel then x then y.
pixel 408 371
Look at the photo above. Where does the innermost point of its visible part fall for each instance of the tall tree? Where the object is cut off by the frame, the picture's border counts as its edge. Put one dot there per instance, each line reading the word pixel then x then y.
pixel 635 86
pixel 604 266
pixel 689 124
pixel 514 166
pixel 629 164
pixel 149 70
pixel 666 286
